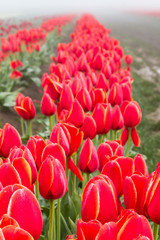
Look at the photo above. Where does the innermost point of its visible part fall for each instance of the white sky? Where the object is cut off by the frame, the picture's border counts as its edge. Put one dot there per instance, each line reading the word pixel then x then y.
pixel 42 7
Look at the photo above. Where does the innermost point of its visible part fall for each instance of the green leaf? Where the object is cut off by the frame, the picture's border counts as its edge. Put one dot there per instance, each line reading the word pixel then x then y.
pixel 73 225
pixel 37 81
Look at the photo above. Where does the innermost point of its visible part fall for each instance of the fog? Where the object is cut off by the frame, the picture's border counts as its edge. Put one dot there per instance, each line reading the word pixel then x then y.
pixel 54 7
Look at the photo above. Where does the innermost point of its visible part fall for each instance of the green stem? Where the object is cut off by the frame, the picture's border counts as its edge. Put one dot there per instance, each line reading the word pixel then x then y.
pixel 52 229
pixel 100 139
pixel 59 219
pixel 115 135
pixel 66 169
pixel 22 127
pixel 88 177
pixel 74 176
pixel 29 128
pixel 155 231
pixel 84 181
pixel 37 189
pixel 50 123
pixel 128 142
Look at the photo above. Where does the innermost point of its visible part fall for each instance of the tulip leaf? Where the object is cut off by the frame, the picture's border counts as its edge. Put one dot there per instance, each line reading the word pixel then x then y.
pixel 37 81
pixel 73 225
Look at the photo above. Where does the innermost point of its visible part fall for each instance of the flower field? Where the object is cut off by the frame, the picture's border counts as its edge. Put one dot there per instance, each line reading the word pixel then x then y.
pixel 81 176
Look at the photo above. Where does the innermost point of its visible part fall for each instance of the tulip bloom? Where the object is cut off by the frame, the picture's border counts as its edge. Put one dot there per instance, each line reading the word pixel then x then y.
pixel 88 230
pixel 90 131
pixel 109 149
pixel 52 179
pixel 8 132
pixel 99 200
pixel 26 109
pixel 15 64
pixel 108 231
pixel 88 158
pixel 117 118
pixel 28 216
pixel 131 225
pixel 76 114
pixel 115 95
pixel 47 105
pixel 133 190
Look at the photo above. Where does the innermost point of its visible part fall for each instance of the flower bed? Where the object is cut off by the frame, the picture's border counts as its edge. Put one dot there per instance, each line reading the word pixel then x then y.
pixel 88 182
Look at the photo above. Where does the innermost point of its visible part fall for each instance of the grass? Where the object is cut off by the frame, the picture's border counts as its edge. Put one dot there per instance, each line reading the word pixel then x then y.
pixel 146 94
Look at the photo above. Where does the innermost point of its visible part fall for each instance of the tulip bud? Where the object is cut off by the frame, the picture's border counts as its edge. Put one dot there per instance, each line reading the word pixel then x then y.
pixel 47 105
pixel 99 200
pixel 88 158
pixel 52 179
pixel 26 110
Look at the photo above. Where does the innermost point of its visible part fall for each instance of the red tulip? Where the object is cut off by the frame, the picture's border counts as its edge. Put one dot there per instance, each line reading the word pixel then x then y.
pixel 131 225
pixel 36 144
pixel 117 170
pixel 87 230
pixel 99 200
pixel 115 95
pixel 76 114
pixel 88 159
pixel 91 131
pixel 28 216
pixel 140 165
pixel 8 175
pixel 109 149
pixel 117 118
pixel 15 64
pixel 8 132
pixel 99 115
pixel 16 74
pixel 131 113
pixel 47 105
pixel 19 99
pixel 84 99
pixel 133 190
pixel 26 110
pixel 52 179
pixel 25 153
pixel 66 98
pixel 102 82
pixel 108 231
pixel 13 232
pixel 128 59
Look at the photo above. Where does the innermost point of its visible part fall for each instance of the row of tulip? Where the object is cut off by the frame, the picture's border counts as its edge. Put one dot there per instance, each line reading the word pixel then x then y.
pixel 89 90
pixel 24 50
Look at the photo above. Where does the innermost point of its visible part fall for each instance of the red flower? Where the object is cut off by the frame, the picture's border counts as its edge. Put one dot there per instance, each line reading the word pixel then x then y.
pixel 26 109
pixel 8 132
pixel 52 179
pixel 99 200
pixel 28 216
pixel 16 74
pixel 88 159
pixel 15 64
pixel 47 105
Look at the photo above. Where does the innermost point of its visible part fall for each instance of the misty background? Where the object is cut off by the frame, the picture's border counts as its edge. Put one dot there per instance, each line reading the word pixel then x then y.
pixel 29 8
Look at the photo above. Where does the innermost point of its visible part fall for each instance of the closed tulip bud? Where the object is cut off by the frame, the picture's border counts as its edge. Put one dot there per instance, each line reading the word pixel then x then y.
pixel 128 59
pixel 106 69
pixel 26 110
pixel 82 64
pixel 66 98
pixel 108 231
pixel 150 198
pixel 47 105
pixel 131 225
pixel 140 165
pixel 133 190
pixel 102 82
pixel 19 99
pixel 109 148
pixel 88 230
pixel 114 78
pixel 88 158
pixel 99 200
pixel 28 216
pixel 99 115
pixel 36 144
pixel 61 136
pixel 91 131
pixel 117 118
pixel 98 95
pixel 117 170
pixel 76 114
pixel 131 113
pixel 25 153
pixel 54 150
pixel 8 132
pixel 108 119
pixel 84 99
pixel 127 91
pixel 52 179
pixel 115 96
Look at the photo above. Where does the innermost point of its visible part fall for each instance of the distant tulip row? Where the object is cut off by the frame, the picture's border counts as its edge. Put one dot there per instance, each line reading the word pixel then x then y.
pixel 89 89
